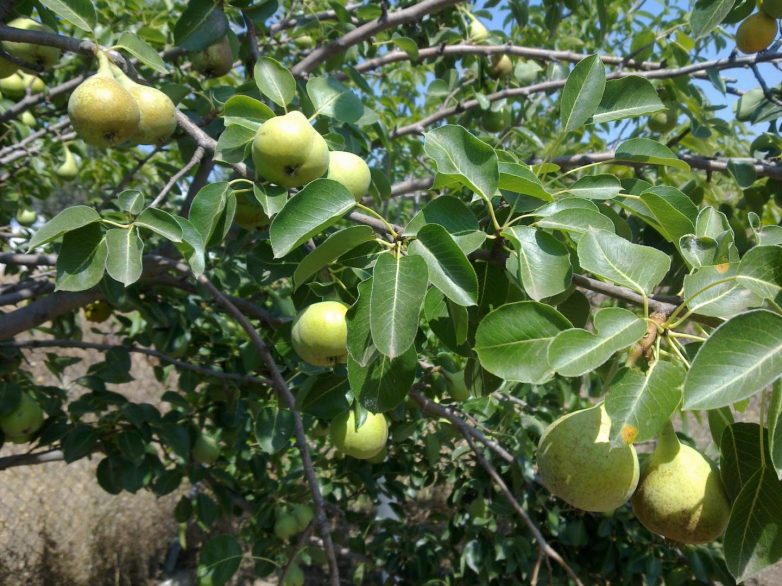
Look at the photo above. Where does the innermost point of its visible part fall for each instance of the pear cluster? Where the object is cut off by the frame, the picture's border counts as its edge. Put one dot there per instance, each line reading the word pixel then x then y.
pixel 758 30
pixel 109 108
pixel 678 495
pixel 288 151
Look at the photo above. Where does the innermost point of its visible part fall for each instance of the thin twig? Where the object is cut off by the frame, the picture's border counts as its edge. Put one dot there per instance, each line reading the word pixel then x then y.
pixel 198 154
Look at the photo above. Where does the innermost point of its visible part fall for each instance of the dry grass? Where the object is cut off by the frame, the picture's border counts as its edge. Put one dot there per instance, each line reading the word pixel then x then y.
pixel 57 526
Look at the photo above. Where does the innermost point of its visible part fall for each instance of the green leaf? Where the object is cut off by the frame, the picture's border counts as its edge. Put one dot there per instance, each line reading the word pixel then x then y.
pixel 384 382
pixel 512 341
pixel 192 246
pixel 142 51
pixel 274 81
pixel 640 403
pixel 577 222
pixel 582 93
pixel 596 187
pixel 741 357
pixel 360 347
pixel 330 98
pixel 160 222
pixel 80 13
pixel 627 97
pixel 650 152
pixel 231 144
pixel 220 558
pixel 328 396
pixel 448 321
pixel 407 45
pixel 398 289
pixel 752 538
pixel 607 255
pixel 576 352
pixel 316 207
pixel 706 15
pixel 453 215
pixel 131 201
pixel 461 156
pixel 704 296
pixel 246 111
pixel 775 428
pixel 207 208
pixel 519 179
pixel 82 259
pixel 741 455
pixel 760 271
pixel 201 24
pixel 332 248
pixel 449 269
pixel 674 212
pixel 274 428
pixel 79 441
pixel 543 262
pixel 125 249
pixel 69 219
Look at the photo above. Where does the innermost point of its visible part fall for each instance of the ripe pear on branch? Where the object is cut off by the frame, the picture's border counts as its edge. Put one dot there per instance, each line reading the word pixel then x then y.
pixel 16 86
pixel 214 61
pixel 157 112
pixel 320 334
pixel 363 443
pixel 351 171
pixel 680 495
pixel 102 112
pixel 756 33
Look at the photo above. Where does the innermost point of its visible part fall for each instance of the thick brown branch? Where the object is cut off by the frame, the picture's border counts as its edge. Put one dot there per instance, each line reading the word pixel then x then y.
pixel 31 459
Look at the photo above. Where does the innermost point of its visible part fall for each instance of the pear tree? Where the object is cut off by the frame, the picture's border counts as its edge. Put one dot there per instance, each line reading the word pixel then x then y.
pixel 435 291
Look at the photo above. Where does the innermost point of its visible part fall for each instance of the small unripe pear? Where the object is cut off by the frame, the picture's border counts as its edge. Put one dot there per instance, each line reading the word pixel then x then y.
pixel 304 42
pixel 7 68
pixel 27 119
pixel 249 214
pixel 501 66
pixel 351 171
pixel 285 526
pixel 214 61
pixel 69 169
pixel 26 217
pixel 20 425
pixel 295 576
pixel 680 495
pixel 478 32
pixel 289 151
pixel 496 120
pixel 98 311
pixel 664 121
pixel 303 514
pixel 577 463
pixel 157 112
pixel 16 85
pixel 206 450
pixel 33 53
pixel 772 7
pixel 363 443
pixel 102 112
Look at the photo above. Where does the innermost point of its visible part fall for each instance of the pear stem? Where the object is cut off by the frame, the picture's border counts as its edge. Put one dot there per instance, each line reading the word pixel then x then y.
pixel 104 65
pixel 667 444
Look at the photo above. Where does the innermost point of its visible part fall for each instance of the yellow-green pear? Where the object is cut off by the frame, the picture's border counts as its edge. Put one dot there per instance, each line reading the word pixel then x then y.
pixel 303 514
pixel 249 214
pixel 102 112
pixel 97 312
pixel 27 119
pixel 285 525
pixel 680 495
pixel 351 171
pixel 26 217
pixel 665 120
pixel 206 450
pixel 501 66
pixel 320 333
pixel 363 443
pixel 214 61
pixel 288 151
pixel 68 169
pixel 577 463
pixel 157 112
pixel 304 42
pixel 496 120
pixel 295 576
pixel 33 53
pixel 20 425
pixel 15 86
pixel 756 33
pixel 478 33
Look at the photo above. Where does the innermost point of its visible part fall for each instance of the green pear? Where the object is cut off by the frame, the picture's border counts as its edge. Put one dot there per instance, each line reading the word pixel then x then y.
pixel 7 68
pixel 15 86
pixel 97 312
pixel 351 171
pixel 577 463
pixel 40 55
pixel 496 120
pixel 303 514
pixel 285 525
pixel 249 214
pixel 68 169
pixel 665 120
pixel 304 42
pixel 102 112
pixel 772 7
pixel 478 33
pixel 26 217
pixel 288 151
pixel 320 333
pixel 20 425
pixel 27 119
pixel 206 449
pixel 156 110
pixel 295 576
pixel 680 495
pixel 363 443
pixel 214 61
pixel 501 66
pixel 457 386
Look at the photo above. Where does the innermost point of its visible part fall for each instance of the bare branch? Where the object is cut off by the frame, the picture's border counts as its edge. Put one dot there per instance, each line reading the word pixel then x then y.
pixel 139 350
pixel 198 154
pixel 368 30
pixel 31 459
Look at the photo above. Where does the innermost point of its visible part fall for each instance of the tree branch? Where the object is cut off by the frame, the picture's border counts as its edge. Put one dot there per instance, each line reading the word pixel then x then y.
pixel 55 343
pixel 368 30
pixel 31 459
